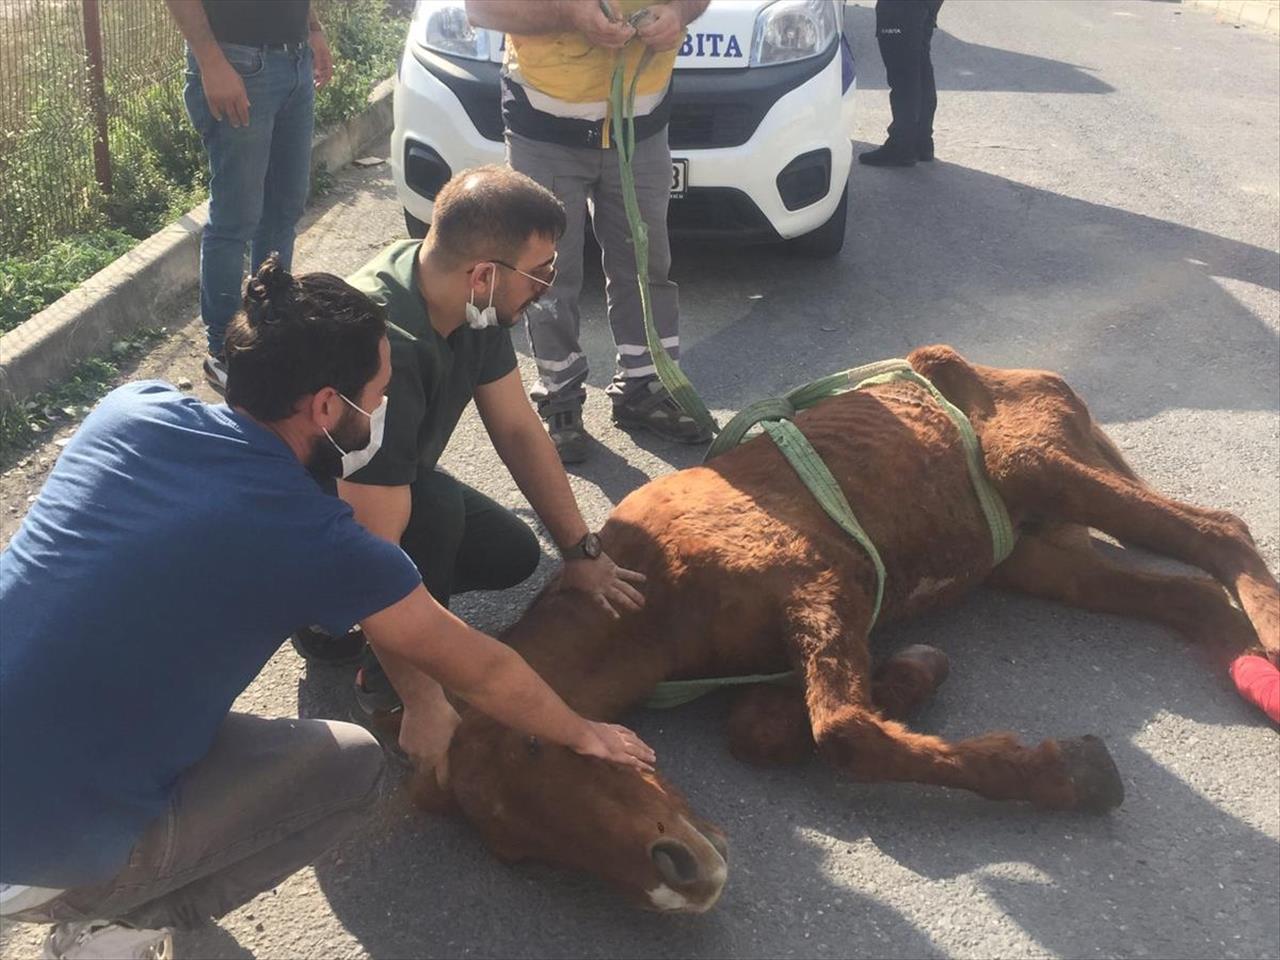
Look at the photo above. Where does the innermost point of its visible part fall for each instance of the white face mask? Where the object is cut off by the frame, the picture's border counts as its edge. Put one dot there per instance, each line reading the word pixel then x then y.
pixel 478 319
pixel 353 460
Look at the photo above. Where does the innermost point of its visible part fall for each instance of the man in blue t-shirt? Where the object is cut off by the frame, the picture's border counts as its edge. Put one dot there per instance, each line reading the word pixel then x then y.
pixel 172 548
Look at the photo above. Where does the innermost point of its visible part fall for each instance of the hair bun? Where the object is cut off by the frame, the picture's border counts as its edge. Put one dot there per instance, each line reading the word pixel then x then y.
pixel 271 285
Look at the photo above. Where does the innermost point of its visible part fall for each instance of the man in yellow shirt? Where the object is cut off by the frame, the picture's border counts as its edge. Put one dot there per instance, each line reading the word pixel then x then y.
pixel 555 105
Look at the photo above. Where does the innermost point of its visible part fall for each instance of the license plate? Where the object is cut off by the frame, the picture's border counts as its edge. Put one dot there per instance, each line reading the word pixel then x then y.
pixel 679 177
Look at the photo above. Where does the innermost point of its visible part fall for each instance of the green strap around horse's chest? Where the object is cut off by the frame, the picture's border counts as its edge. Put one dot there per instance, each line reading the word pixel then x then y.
pixel 774 416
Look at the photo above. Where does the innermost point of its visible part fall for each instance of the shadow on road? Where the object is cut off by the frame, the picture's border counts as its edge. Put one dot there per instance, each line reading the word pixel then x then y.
pixel 962 65
pixel 452 898
pixel 1165 874
pixel 1010 275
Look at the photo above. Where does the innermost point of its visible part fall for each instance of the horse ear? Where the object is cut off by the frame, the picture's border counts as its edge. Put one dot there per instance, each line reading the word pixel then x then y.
pixel 954 377
pixel 430 791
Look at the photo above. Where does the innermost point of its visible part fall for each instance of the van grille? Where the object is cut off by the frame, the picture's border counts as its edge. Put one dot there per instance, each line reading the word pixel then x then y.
pixel 697 125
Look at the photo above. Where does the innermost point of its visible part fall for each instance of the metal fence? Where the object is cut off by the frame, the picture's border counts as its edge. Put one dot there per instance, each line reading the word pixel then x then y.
pixel 93 130
pixel 76 76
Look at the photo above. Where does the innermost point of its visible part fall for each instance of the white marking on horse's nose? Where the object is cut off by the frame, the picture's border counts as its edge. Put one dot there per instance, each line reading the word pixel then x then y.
pixel 664 898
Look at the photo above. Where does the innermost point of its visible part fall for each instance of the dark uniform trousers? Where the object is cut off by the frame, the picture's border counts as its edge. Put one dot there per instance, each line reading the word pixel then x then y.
pixel 904 31
pixel 460 540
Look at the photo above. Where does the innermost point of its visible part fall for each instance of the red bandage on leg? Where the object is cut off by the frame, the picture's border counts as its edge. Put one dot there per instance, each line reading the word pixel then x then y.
pixel 1258 681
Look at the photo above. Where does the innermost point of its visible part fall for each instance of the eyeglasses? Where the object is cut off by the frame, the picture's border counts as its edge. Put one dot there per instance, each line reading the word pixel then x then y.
pixel 549 272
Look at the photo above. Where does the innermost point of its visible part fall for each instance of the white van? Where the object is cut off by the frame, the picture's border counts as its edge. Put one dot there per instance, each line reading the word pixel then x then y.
pixel 761 119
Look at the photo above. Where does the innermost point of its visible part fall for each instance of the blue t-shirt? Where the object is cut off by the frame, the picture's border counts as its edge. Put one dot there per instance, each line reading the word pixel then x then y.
pixel 172 549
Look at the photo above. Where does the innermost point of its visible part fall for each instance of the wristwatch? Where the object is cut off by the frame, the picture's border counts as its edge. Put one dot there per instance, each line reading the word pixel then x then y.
pixel 588 548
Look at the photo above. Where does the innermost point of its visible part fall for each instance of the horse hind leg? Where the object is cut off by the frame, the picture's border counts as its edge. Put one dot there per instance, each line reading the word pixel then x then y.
pixel 1110 454
pixel 1076 492
pixel 1062 563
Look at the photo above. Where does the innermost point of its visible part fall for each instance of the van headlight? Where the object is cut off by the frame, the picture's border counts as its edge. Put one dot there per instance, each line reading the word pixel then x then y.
pixel 442 26
pixel 793 30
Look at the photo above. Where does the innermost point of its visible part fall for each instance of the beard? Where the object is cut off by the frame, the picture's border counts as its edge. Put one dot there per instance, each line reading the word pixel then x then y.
pixel 515 316
pixel 325 462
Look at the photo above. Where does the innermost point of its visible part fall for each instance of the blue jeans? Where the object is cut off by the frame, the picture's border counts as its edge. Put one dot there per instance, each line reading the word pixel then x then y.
pixel 259 174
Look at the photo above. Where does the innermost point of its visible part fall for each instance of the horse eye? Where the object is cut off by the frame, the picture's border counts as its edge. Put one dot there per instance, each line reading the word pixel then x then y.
pixel 533 746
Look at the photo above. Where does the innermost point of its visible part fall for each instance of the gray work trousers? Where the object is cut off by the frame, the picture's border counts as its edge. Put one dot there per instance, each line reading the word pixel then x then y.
pixel 585 178
pixel 269 798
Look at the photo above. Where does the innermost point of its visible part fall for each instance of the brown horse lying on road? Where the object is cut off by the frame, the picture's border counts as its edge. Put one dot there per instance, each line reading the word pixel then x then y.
pixel 747 575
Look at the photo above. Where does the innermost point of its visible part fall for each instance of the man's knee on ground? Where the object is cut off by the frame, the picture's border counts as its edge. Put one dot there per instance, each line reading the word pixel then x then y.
pixel 356 766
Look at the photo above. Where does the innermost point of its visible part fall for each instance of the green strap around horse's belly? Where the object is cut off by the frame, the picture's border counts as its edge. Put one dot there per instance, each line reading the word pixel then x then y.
pixel 774 416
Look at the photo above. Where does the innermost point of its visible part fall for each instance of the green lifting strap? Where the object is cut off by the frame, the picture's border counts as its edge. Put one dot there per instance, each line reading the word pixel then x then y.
pixel 622 118
pixel 795 446
pixel 1002 533
pixel 774 416
pixel 676 693
pixel 867 375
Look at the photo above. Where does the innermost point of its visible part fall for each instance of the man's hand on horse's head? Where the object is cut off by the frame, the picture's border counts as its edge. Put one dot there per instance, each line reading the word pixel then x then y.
pixel 610 741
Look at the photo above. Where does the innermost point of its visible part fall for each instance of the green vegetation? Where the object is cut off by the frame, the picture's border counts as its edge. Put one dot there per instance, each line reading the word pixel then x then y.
pixel 27 286
pixel 25 425
pixel 366 45
pixel 58 228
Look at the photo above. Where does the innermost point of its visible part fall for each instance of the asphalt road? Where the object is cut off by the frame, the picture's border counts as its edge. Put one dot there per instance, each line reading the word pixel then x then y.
pixel 1104 204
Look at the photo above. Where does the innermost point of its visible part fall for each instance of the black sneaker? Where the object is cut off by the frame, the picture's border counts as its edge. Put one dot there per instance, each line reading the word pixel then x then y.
pixel 652 408
pixel 378 707
pixel 374 693
pixel 888 156
pixel 568 434
pixel 316 646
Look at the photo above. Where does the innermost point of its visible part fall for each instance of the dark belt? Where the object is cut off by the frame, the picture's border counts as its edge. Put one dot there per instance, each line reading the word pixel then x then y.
pixel 284 47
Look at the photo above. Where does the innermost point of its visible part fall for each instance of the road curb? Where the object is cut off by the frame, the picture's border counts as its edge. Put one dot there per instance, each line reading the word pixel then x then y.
pixel 1259 13
pixel 138 289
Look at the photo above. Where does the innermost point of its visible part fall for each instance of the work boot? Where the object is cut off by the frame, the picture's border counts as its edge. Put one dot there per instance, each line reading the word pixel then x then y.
pixel 568 434
pixel 104 940
pixel 889 155
pixel 215 371
pixel 650 407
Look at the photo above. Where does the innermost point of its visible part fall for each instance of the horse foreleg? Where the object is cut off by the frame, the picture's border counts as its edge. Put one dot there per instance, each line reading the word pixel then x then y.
pixel 854 738
pixel 1072 774
pixel 769 725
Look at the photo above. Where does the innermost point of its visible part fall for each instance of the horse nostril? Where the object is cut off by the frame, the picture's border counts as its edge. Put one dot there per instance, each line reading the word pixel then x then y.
pixel 674 861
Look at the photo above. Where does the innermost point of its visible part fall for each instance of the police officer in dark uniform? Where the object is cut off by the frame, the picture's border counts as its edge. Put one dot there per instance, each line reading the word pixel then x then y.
pixel 904 30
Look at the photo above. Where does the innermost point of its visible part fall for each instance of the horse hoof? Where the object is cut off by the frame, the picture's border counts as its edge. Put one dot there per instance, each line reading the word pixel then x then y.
pixel 1093 774
pixel 906 681
pixel 769 727
pixel 932 658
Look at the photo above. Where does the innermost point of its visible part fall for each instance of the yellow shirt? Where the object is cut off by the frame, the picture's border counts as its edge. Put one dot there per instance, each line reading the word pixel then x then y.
pixel 569 77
